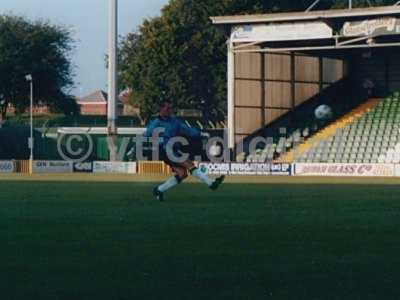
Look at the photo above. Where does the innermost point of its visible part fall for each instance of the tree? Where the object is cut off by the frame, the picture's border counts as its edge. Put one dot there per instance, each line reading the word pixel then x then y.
pixel 171 56
pixel 182 56
pixel 42 50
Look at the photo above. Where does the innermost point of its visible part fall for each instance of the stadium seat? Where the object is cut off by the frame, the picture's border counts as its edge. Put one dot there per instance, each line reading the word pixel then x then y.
pixel 372 137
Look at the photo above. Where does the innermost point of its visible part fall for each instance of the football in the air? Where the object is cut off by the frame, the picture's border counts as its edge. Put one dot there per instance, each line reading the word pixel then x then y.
pixel 323 112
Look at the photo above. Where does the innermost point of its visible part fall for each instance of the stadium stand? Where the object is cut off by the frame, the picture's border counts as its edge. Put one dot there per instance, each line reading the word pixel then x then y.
pixel 295 127
pixel 368 134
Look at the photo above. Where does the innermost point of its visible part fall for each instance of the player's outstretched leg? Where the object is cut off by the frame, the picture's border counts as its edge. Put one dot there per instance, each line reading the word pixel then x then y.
pixel 159 191
pixel 212 184
pixel 217 182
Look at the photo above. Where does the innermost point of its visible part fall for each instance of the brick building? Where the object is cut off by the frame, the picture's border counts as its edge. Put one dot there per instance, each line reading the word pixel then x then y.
pixel 96 104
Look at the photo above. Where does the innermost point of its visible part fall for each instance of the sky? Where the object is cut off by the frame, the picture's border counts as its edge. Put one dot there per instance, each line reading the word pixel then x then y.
pixel 88 20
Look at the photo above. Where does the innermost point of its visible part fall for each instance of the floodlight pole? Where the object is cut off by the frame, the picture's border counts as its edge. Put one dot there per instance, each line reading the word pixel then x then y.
pixel 30 142
pixel 112 79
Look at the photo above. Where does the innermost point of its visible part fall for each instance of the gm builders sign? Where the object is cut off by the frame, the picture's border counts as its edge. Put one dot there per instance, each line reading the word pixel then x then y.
pixel 382 26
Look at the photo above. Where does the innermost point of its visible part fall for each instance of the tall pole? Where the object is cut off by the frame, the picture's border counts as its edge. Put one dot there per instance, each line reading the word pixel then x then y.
pixel 30 142
pixel 112 79
pixel 31 122
pixel 350 4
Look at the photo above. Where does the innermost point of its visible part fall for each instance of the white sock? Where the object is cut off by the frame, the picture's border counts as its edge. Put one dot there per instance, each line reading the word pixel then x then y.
pixel 203 177
pixel 170 183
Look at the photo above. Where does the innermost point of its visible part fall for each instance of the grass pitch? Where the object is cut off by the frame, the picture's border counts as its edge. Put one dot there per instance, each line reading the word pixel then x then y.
pixel 104 237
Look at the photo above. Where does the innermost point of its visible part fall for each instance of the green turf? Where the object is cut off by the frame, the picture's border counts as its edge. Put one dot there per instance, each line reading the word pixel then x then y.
pixel 280 238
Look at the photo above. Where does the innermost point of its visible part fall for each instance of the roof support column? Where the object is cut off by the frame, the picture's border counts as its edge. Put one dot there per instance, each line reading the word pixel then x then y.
pixel 263 100
pixel 231 95
pixel 321 73
pixel 292 81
